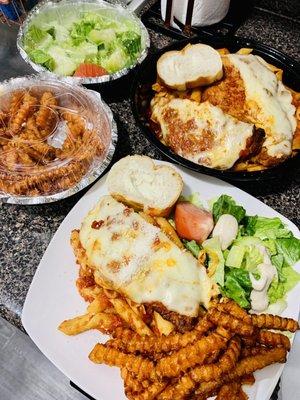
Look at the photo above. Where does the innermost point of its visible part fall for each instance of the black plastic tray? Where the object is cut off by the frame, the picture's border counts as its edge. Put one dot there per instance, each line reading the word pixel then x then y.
pixel 142 94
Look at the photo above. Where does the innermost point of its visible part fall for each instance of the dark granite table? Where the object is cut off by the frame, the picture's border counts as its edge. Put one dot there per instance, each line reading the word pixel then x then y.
pixel 26 231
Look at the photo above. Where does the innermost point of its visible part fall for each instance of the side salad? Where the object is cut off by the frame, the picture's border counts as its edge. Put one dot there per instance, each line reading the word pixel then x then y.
pixel 250 258
pixel 83 43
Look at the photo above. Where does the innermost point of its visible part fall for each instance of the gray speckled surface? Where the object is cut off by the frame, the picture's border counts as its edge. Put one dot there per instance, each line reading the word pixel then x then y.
pixel 26 231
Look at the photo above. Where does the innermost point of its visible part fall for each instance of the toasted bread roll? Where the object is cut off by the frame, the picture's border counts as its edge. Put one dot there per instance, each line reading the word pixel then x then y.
pixel 139 183
pixel 193 66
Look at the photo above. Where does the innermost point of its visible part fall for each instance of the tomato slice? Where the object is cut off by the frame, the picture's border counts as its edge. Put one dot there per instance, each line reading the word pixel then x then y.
pixel 193 223
pixel 88 70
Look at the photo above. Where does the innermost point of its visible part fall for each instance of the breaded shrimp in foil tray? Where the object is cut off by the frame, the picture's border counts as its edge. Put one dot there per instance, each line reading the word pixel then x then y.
pixel 56 138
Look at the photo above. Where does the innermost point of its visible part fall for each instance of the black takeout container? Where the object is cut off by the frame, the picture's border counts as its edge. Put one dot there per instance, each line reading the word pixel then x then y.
pixel 142 94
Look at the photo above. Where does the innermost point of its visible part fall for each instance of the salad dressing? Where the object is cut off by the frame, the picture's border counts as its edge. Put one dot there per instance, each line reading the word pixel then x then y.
pixel 259 294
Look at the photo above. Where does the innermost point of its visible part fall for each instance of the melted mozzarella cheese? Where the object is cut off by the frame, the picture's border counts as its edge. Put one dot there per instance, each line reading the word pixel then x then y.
pixel 269 102
pixel 201 132
pixel 140 261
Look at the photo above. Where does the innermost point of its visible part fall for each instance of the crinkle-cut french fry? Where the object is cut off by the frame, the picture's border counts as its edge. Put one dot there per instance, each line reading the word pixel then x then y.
pixel 231 307
pixel 225 333
pixel 252 363
pixel 83 323
pixel 131 383
pixel 227 362
pixel 253 351
pixel 189 356
pixel 244 367
pixel 273 339
pixel 15 102
pixel 129 316
pixel 229 391
pixel 232 391
pixel 152 392
pixel 168 229
pixel 248 379
pixel 140 366
pixel 44 115
pixel 24 111
pixel 229 322
pixel 132 342
pixel 207 389
pixel 250 341
pixel 269 321
pixel 204 373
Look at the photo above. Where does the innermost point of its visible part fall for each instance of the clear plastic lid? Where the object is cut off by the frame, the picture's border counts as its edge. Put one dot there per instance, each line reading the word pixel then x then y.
pixel 53 134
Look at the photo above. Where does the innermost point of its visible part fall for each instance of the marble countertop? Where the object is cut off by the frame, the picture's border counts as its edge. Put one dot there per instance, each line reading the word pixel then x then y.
pixel 27 230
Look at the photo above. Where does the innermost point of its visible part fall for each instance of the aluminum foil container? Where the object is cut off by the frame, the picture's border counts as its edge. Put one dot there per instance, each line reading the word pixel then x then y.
pixel 59 7
pixel 41 141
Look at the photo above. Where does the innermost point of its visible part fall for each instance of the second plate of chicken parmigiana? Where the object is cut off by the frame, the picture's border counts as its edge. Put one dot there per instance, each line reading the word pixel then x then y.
pixel 223 111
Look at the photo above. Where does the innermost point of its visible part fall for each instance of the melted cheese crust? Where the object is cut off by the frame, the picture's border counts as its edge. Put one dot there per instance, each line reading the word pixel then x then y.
pixel 268 102
pixel 140 261
pixel 201 132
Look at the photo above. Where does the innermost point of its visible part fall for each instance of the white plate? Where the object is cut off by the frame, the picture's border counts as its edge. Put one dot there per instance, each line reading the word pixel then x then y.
pixel 53 297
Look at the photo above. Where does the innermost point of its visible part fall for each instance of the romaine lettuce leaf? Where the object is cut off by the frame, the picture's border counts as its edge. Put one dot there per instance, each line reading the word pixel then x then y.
pixel 279 289
pixel 80 31
pixel 131 42
pixel 237 286
pixel 226 205
pixel 277 261
pixel 34 36
pixel 115 61
pixel 192 246
pixel 290 249
pixel 265 228
pixel 40 57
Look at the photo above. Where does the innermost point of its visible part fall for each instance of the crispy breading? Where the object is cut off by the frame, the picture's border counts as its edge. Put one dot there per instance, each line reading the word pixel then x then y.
pixel 269 321
pixel 140 366
pixel 228 93
pixel 273 339
pixel 183 323
pixel 229 322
